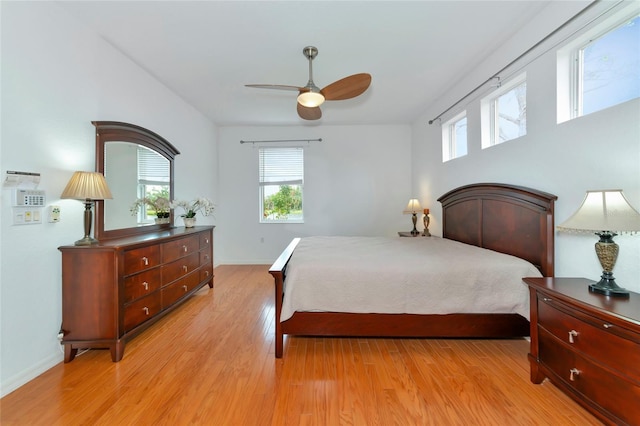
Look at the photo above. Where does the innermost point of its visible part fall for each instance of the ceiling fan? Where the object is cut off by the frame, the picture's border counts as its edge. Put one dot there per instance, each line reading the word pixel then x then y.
pixel 310 97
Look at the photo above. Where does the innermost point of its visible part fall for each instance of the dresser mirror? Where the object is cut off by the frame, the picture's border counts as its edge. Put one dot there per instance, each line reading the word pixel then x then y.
pixel 136 162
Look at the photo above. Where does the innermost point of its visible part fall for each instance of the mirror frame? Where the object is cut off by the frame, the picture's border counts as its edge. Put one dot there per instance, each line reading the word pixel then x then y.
pixel 115 131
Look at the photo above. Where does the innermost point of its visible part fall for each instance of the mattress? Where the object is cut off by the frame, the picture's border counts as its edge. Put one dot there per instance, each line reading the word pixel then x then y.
pixel 422 275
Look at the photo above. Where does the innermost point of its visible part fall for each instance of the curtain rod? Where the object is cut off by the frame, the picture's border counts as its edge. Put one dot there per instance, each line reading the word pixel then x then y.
pixel 548 36
pixel 285 140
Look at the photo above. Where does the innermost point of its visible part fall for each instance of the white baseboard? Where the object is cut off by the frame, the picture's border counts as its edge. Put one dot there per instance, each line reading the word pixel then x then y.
pixel 29 374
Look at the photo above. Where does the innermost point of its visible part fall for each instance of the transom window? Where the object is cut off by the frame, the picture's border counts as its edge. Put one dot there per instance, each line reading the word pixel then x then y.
pixel 454 137
pixel 281 178
pixel 504 113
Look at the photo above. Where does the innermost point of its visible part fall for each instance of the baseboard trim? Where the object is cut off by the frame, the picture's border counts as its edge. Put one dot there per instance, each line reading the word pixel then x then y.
pixel 25 376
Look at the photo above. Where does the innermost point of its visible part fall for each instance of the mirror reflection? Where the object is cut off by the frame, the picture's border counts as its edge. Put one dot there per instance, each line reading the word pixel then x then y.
pixel 139 179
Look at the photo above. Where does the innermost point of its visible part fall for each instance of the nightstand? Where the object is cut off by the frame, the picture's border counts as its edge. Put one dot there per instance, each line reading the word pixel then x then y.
pixel 408 234
pixel 588 345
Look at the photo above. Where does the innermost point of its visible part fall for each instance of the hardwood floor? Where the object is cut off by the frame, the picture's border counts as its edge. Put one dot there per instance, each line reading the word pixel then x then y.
pixel 211 362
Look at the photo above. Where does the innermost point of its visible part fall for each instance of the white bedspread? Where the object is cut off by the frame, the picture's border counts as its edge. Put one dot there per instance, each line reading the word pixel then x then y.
pixel 403 275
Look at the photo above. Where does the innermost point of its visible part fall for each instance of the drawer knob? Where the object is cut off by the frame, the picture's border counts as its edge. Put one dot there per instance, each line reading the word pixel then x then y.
pixel 206 273
pixel 184 248
pixel 145 260
pixel 184 268
pixel 185 288
pixel 207 240
pixel 547 299
pixel 607 325
pixel 146 310
pixel 572 334
pixel 573 373
pixel 145 285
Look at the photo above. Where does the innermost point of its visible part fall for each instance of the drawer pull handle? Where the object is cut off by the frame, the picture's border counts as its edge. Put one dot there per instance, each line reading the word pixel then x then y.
pixel 184 268
pixel 207 241
pixel 184 248
pixel 573 373
pixel 145 260
pixel 145 285
pixel 206 273
pixel 572 334
pixel 206 257
pixel 607 325
pixel 547 299
pixel 146 310
pixel 185 288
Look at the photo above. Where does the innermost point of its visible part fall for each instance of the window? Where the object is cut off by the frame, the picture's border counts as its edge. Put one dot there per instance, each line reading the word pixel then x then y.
pixel 153 181
pixel 504 113
pixel 281 177
pixel 608 69
pixel 600 68
pixel 454 137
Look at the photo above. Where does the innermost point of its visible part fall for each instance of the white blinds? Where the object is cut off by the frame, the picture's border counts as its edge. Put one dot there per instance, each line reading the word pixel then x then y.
pixel 153 168
pixel 281 166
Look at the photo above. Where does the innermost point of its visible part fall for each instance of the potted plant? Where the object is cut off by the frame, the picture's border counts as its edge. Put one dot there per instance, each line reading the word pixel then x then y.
pixel 158 206
pixel 191 208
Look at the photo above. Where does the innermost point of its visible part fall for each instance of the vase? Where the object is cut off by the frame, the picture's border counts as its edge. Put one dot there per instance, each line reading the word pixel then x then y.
pixel 161 220
pixel 189 222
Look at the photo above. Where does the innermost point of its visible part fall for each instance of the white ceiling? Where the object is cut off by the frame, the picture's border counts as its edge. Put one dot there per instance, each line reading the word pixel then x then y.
pixel 206 51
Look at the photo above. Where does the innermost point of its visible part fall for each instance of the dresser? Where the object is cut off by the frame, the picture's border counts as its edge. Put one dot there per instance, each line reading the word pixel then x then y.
pixel 588 345
pixel 114 290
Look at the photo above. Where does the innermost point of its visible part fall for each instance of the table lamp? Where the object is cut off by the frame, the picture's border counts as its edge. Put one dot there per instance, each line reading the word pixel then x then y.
pixel 607 213
pixel 87 187
pixel 413 208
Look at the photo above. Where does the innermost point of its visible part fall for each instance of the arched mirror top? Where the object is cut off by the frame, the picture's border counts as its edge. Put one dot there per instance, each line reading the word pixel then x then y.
pixel 122 150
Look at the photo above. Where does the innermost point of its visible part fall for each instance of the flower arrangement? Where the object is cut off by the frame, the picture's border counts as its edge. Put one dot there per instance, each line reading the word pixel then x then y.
pixel 203 205
pixel 160 206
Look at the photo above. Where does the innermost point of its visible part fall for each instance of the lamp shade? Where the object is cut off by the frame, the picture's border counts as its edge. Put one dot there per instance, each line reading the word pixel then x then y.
pixel 606 210
pixel 310 99
pixel 413 207
pixel 87 186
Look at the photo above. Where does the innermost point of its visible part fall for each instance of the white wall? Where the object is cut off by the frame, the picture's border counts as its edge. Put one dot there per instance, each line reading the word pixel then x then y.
pixel 357 182
pixel 597 151
pixel 57 78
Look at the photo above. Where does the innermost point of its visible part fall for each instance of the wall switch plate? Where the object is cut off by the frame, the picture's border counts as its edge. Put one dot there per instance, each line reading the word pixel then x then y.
pixel 27 216
pixel 54 214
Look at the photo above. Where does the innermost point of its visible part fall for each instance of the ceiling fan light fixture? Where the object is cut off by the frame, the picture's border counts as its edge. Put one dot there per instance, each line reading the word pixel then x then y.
pixel 310 99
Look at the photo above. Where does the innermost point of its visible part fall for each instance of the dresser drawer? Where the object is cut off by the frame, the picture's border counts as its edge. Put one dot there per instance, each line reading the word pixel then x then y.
pixel 140 259
pixel 141 310
pixel 179 248
pixel 142 284
pixel 176 291
pixel 613 393
pixel 179 268
pixel 206 272
pixel 205 257
pixel 591 336
pixel 205 240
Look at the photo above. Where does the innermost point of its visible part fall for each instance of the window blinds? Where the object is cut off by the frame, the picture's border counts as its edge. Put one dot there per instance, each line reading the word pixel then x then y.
pixel 153 168
pixel 281 166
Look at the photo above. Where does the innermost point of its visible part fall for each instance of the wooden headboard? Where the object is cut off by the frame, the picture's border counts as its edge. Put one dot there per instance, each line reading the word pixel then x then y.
pixel 504 218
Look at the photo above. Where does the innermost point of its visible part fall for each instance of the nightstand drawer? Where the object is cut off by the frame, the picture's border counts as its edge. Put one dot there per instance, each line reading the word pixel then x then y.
pixel 591 336
pixel 614 394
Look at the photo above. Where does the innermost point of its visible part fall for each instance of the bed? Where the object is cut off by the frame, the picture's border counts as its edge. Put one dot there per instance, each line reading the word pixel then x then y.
pixel 503 218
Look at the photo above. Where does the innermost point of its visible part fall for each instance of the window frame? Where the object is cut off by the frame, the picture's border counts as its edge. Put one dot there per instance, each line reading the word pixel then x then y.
pixel 490 127
pixel 298 182
pixel 570 60
pixel 449 138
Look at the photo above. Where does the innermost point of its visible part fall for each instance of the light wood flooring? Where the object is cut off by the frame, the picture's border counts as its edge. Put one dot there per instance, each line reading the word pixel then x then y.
pixel 211 362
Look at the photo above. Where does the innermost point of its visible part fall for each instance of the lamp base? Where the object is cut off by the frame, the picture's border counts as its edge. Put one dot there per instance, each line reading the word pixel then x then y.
pixel 607 286
pixel 86 241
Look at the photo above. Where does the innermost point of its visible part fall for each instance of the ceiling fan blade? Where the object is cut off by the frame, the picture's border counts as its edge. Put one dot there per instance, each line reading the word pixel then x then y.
pixel 275 86
pixel 347 88
pixel 309 113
